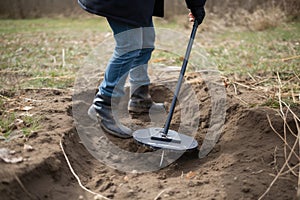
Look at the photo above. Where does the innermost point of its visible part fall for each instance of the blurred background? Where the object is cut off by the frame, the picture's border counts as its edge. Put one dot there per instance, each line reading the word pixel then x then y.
pixel 46 8
pixel 254 44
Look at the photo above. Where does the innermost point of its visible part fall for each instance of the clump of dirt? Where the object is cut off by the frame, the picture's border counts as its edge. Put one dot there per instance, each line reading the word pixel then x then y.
pixel 241 165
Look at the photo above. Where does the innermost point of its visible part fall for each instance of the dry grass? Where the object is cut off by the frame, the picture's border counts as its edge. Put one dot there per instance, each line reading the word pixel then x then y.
pixel 290 148
pixel 291 8
pixel 264 19
pixel 259 20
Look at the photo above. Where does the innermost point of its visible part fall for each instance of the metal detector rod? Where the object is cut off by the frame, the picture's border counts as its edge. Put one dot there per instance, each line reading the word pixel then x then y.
pixel 181 75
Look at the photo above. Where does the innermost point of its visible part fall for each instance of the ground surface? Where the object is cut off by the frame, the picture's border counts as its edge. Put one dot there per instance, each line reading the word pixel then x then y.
pixel 40 56
pixel 241 166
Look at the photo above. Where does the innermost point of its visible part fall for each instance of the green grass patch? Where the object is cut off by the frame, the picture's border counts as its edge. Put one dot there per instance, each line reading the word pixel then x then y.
pixel 258 57
pixel 35 50
pixel 52 25
pixel 42 53
pixel 271 50
pixel 12 124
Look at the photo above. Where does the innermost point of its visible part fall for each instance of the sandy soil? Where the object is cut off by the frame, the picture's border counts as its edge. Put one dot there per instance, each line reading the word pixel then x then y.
pixel 241 166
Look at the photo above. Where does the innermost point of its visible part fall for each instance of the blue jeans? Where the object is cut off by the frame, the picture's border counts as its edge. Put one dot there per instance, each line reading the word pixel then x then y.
pixel 134 46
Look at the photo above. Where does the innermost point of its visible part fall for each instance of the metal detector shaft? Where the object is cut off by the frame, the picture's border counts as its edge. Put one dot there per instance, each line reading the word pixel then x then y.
pixel 180 79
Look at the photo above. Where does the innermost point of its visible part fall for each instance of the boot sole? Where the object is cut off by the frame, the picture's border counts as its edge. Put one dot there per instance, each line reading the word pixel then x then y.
pixel 113 133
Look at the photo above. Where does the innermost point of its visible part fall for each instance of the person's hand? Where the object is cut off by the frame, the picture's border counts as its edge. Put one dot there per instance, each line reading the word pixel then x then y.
pixel 197 9
pixel 197 13
pixel 191 17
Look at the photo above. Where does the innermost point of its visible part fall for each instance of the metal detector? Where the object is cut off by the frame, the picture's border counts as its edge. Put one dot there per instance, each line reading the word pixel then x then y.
pixel 164 138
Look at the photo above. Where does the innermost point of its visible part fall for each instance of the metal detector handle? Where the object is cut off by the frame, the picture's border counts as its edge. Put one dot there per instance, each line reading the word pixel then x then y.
pixel 181 76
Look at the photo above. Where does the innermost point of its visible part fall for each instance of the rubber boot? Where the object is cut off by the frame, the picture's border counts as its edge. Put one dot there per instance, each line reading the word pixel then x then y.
pixel 101 111
pixel 141 102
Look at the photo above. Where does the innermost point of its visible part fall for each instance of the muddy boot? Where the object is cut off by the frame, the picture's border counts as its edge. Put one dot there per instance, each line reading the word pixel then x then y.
pixel 101 111
pixel 141 102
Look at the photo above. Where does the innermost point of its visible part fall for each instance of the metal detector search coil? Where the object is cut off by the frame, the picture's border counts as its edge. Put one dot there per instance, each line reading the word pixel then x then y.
pixel 155 138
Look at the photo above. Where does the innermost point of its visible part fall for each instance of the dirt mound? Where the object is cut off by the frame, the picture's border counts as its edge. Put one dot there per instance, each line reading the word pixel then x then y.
pixel 241 165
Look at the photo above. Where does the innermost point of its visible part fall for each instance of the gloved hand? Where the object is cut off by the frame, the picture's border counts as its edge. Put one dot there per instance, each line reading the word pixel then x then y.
pixel 198 13
pixel 197 9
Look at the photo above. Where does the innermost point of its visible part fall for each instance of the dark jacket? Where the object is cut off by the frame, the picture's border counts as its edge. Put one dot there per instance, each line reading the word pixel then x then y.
pixel 195 3
pixel 134 12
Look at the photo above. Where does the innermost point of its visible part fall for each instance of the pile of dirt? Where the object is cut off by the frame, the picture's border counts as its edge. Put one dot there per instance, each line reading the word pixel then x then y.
pixel 241 165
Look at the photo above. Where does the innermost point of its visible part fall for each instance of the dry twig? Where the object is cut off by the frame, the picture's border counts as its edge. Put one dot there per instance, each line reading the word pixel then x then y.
pixel 235 89
pixel 298 129
pixel 297 76
pixel 163 191
pixel 4 97
pixel 244 102
pixel 290 58
pixel 280 172
pixel 288 156
pixel 251 77
pixel 285 142
pixel 49 77
pixel 284 118
pixel 76 176
pixel 245 86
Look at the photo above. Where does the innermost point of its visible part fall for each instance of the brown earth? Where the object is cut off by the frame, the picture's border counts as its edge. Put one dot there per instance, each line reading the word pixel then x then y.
pixel 241 166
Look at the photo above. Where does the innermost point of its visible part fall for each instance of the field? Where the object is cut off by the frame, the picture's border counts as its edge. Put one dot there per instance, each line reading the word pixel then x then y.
pixel 51 67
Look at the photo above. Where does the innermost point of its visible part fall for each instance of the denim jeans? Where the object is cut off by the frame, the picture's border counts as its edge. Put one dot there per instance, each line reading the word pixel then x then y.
pixel 134 46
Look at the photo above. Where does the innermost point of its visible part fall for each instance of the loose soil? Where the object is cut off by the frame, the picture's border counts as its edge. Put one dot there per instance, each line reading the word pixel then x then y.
pixel 242 165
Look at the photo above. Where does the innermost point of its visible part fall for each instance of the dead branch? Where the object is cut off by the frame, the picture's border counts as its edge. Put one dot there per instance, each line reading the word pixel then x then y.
pixel 4 97
pixel 235 89
pixel 244 102
pixel 296 75
pixel 163 191
pixel 289 170
pixel 76 176
pixel 245 86
pixel 290 58
pixel 285 142
pixel 280 172
pixel 262 81
pixel 284 118
pixel 49 77
pixel 251 77
pixel 292 149
pixel 290 110
pixel 298 129
pixel 281 59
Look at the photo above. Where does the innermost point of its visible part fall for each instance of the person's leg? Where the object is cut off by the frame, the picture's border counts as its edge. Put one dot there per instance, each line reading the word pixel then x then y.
pixel 140 99
pixel 128 44
pixel 138 75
